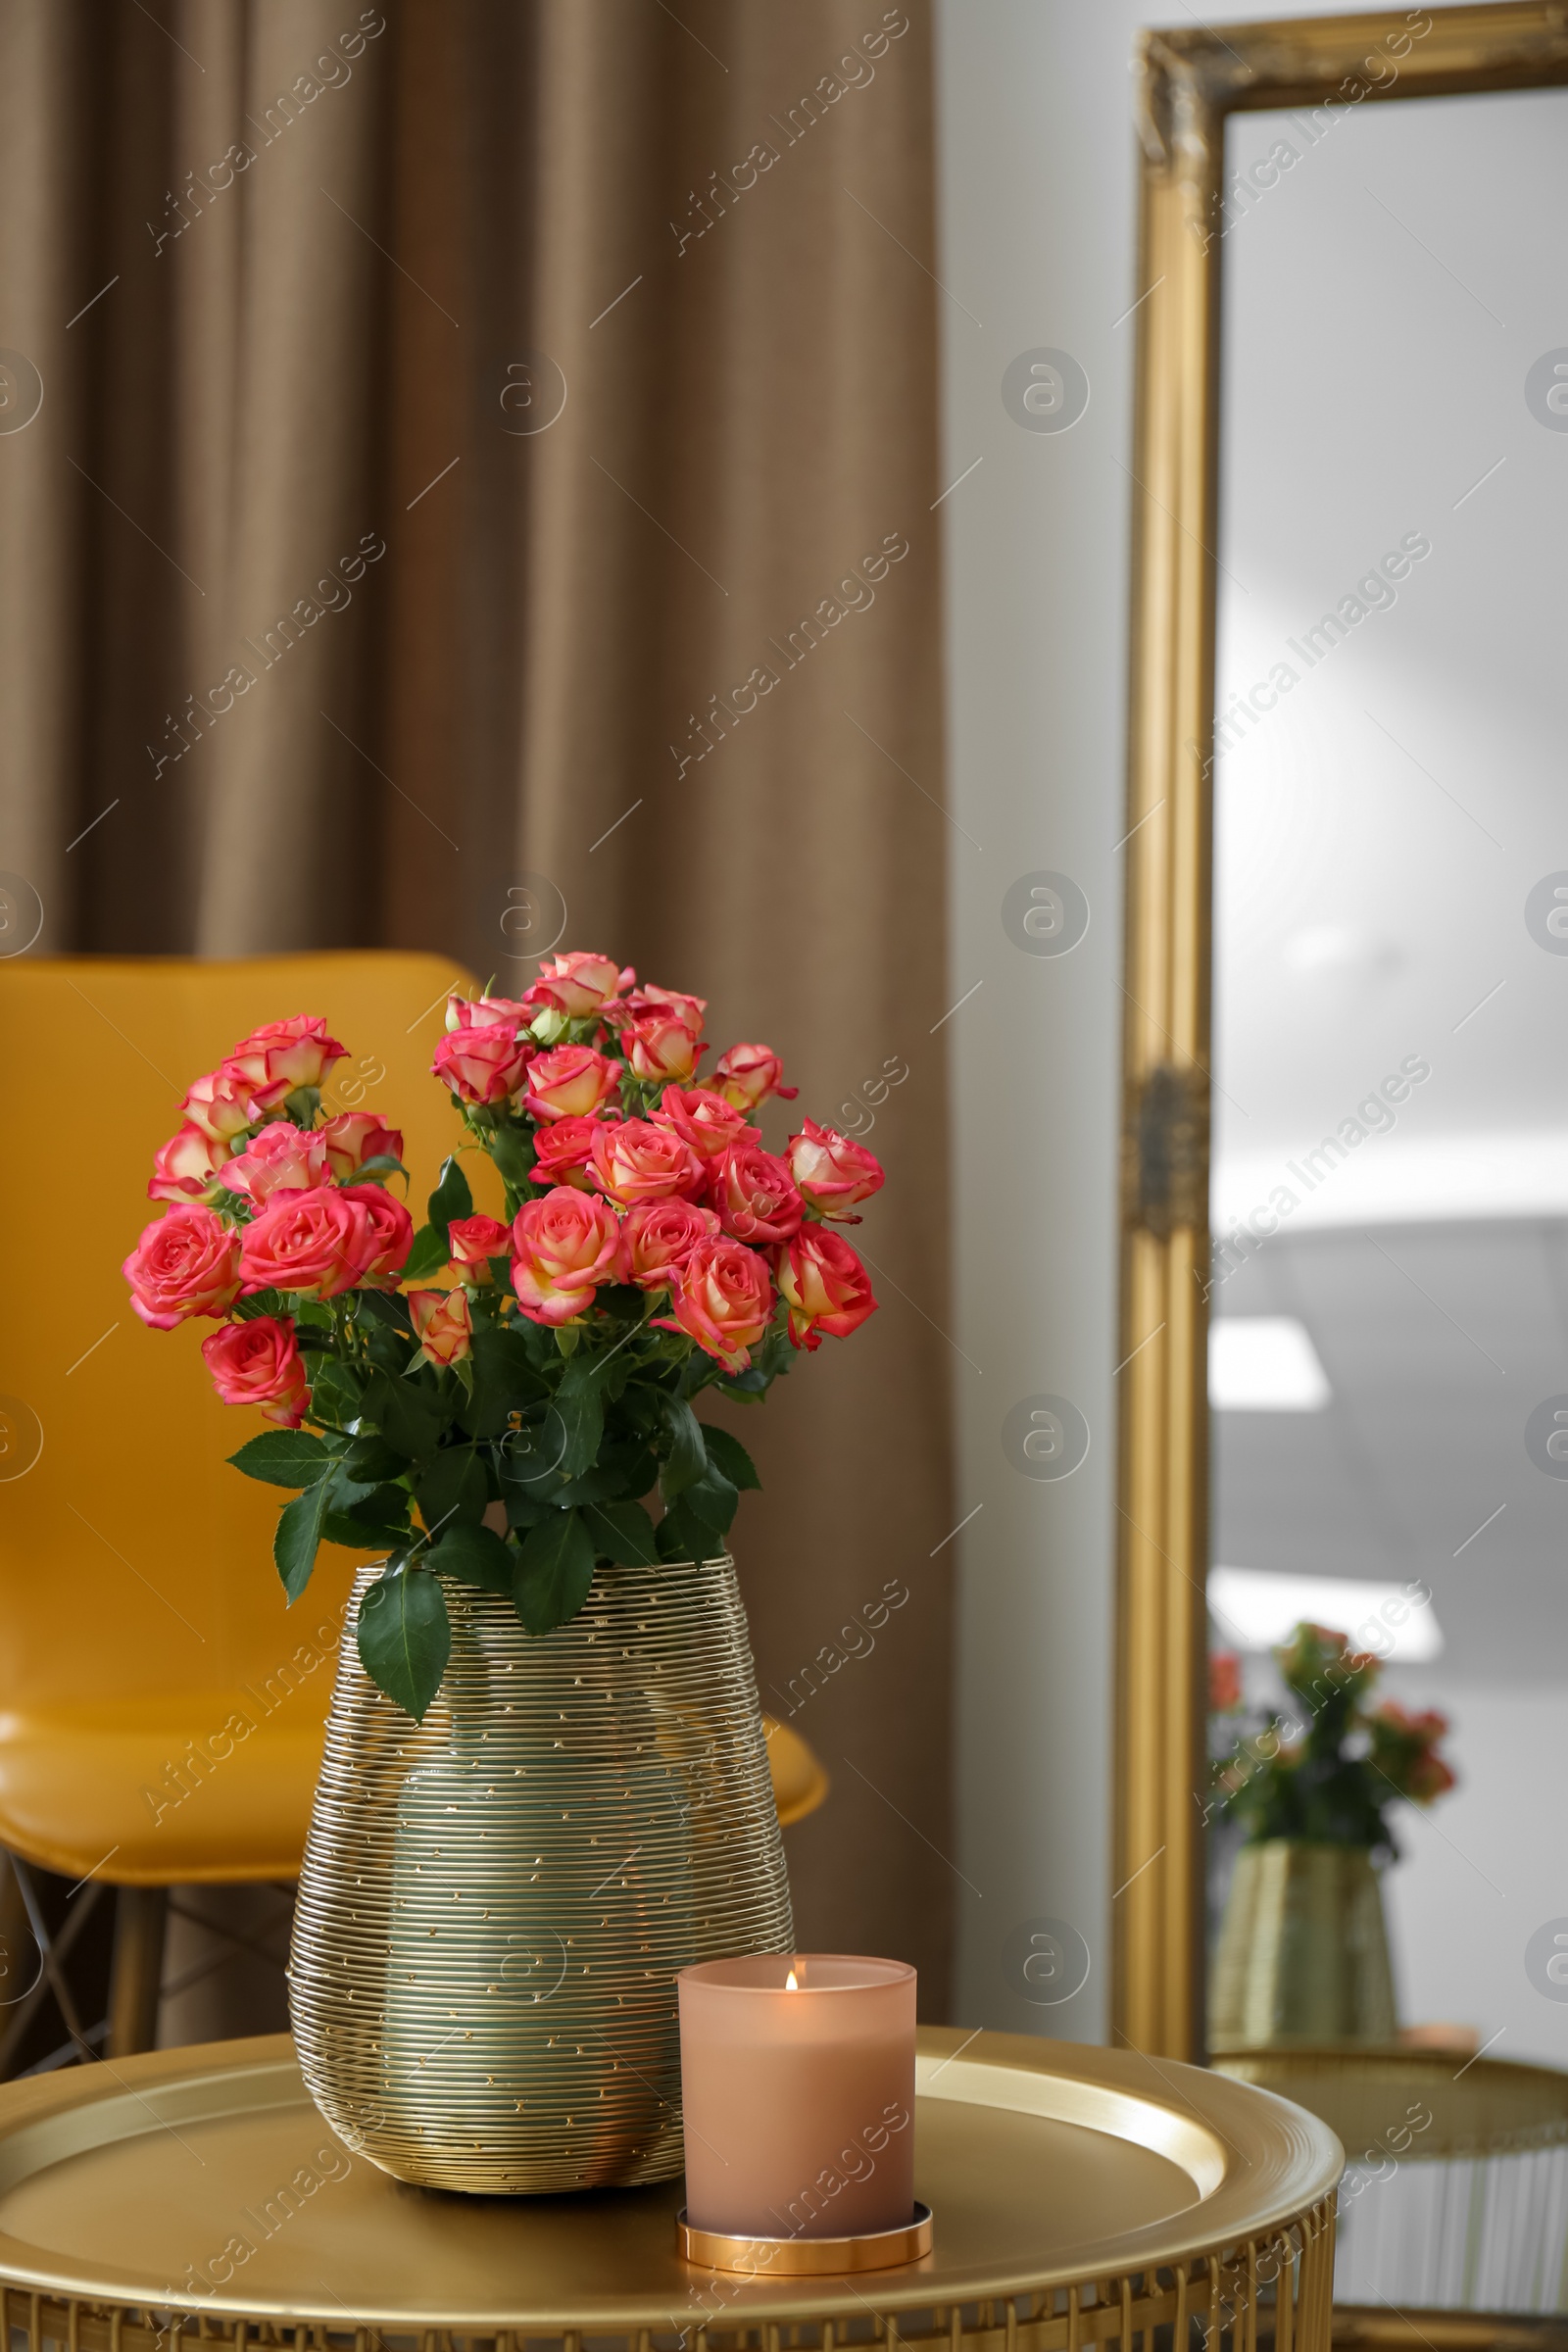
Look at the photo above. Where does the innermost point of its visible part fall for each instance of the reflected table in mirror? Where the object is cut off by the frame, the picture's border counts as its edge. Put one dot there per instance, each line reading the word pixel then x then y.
pixel 1453 2211
pixel 1080 2196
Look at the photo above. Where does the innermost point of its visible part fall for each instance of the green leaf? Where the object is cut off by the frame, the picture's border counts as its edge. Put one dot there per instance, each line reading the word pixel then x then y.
pixel 504 1380
pixel 454 1486
pixel 379 1522
pixel 580 1403
pixel 683 1536
pixel 377 1168
pixel 711 1500
pixel 385 1306
pixel 451 1199
pixel 512 1150
pixel 297 1535
pixel 409 1418
pixel 372 1458
pixel 341 1527
pixel 622 1532
pixel 337 1391
pixel 475 1555
pixel 283 1457
pixel 522 1510
pixel 260 1302
pixel 729 1455
pixel 687 1458
pixel 429 1255
pixel 405 1638
pixel 554 1573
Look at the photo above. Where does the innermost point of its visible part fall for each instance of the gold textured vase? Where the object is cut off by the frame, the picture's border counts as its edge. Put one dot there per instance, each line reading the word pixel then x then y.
pixel 493 1904
pixel 1302 1954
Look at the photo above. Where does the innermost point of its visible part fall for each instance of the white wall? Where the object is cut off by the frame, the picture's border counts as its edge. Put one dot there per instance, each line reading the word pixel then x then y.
pixel 1037 250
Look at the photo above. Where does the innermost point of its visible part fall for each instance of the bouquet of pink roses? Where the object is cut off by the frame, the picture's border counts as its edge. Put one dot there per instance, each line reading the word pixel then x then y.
pixel 653 1248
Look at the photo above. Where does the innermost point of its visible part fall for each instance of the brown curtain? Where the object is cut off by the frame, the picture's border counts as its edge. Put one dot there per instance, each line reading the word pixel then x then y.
pixel 483 495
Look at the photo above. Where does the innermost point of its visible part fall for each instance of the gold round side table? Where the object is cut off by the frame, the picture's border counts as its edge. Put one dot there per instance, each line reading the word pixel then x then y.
pixel 1080 2196
pixel 1453 2214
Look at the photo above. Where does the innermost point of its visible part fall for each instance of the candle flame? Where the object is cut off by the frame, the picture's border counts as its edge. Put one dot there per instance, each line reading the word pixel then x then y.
pixel 790 1985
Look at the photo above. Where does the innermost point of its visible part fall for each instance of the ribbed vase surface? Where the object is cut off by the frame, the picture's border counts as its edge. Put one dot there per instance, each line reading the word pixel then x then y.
pixel 493 1904
pixel 1303 1953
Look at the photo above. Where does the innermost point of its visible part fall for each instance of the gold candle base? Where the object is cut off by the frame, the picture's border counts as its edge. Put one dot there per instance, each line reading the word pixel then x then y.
pixel 805 2257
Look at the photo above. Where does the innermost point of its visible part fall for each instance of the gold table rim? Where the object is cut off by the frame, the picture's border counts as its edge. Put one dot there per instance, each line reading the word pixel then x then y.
pixel 1280 2166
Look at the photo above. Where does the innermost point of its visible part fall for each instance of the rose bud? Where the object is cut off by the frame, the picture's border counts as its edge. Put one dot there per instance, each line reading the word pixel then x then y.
pixel 481 1065
pixel 723 1299
pixel 635 1160
pixel 473 1241
pixel 186 1264
pixel 569 1083
pixel 660 1235
pixel 442 1324
pixel 753 1194
pixel 389 1231
pixel 748 1074
pixel 660 1047
pixel 567 1245
pixel 356 1135
pixel 560 1153
pixel 825 1284
pixel 318 1241
pixel 577 984
pixel 186 1167
pixel 832 1173
pixel 487 1012
pixel 692 1010
pixel 283 1056
pixel 704 1120
pixel 258 1364
pixel 278 1159
pixel 220 1104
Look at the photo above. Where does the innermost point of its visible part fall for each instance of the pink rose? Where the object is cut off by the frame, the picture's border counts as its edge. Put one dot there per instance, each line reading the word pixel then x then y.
pixel 442 1324
pixel 220 1104
pixel 569 1083
pixel 389 1230
pixel 488 1012
pixel 258 1363
pixel 748 1074
pixel 722 1299
pixel 283 1056
pixel 567 1245
pixel 186 1167
pixel 318 1241
pixel 185 1263
pixel 644 1000
pixel 577 984
pixel 281 1158
pixel 560 1153
pixel 704 1120
pixel 753 1193
pixel 831 1172
pixel 473 1241
pixel 635 1160
pixel 825 1284
pixel 660 1047
pixel 356 1135
pixel 481 1065
pixel 660 1235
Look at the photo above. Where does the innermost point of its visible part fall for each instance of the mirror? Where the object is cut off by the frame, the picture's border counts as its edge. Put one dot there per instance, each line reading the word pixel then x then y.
pixel 1389 1182
pixel 1344 1384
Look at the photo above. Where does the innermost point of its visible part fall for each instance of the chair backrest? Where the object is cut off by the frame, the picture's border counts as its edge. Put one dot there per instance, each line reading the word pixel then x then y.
pixel 133 1558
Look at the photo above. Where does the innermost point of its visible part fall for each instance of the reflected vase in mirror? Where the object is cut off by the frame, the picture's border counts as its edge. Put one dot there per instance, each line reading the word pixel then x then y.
pixel 1303 1955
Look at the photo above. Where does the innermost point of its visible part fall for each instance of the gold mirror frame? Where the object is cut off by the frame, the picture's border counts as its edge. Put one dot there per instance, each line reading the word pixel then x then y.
pixel 1190 82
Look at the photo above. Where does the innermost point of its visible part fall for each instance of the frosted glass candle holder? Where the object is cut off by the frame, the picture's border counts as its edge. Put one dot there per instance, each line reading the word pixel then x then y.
pixel 798 2084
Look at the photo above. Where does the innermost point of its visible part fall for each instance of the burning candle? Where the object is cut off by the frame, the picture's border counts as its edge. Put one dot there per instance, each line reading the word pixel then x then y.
pixel 798 2081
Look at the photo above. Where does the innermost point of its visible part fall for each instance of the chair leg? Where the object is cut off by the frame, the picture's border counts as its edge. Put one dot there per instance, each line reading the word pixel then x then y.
pixel 140 1917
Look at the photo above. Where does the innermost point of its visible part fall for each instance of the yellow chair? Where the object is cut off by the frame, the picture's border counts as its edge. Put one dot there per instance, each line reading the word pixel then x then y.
pixel 161 1709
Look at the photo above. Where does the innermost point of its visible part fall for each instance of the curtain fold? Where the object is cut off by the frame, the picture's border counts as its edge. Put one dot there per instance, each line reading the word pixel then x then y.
pixel 487 504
